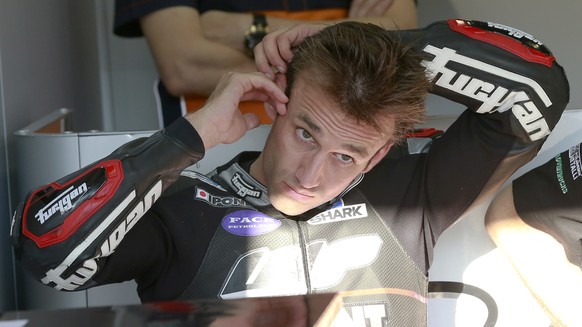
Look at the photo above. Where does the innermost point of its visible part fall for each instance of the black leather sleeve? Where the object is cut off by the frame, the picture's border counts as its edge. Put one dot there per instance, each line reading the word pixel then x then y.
pixel 492 68
pixel 514 91
pixel 61 230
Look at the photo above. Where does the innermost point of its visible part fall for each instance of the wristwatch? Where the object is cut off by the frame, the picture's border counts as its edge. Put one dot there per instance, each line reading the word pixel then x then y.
pixel 256 32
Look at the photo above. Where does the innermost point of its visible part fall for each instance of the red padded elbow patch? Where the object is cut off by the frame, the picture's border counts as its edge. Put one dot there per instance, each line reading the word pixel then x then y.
pixel 53 213
pixel 505 37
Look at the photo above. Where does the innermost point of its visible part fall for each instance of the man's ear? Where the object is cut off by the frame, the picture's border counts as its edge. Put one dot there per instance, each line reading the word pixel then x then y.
pixel 378 156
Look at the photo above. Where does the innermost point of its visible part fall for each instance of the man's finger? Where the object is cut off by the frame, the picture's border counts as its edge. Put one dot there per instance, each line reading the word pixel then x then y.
pixel 251 120
pixel 270 111
pixel 267 56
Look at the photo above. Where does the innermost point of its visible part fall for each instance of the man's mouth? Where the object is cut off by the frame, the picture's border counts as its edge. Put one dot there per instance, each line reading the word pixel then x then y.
pixel 297 193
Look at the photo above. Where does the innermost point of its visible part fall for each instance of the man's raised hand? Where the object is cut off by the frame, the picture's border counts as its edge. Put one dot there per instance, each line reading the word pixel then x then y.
pixel 221 121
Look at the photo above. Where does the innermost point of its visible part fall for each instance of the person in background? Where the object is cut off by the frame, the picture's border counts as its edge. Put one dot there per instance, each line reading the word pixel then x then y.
pixel 536 221
pixel 194 43
pixel 327 206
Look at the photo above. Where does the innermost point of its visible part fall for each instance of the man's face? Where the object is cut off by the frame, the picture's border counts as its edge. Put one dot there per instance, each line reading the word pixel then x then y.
pixel 314 152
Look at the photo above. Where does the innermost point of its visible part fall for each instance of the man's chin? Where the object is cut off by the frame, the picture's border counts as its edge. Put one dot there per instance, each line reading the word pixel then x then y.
pixel 291 211
pixel 290 208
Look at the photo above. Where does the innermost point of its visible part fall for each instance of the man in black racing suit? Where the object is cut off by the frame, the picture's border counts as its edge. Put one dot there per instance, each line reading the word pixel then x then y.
pixel 220 236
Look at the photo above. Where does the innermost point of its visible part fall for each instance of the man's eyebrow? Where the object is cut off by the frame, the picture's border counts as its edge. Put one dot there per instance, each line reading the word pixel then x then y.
pixel 312 125
pixel 359 150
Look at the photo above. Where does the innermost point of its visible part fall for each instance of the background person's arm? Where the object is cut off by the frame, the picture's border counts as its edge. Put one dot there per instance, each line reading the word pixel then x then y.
pixel 193 51
pixel 538 259
pixel 390 14
pixel 187 61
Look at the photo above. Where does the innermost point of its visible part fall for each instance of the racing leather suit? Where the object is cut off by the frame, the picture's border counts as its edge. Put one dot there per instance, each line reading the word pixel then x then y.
pixel 195 236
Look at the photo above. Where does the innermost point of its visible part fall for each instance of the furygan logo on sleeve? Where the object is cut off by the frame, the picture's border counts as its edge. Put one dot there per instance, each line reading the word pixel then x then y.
pixel 243 188
pixel 493 97
pixel 61 204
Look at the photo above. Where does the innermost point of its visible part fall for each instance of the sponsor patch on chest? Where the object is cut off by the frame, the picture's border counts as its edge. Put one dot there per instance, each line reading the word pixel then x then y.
pixel 219 201
pixel 332 215
pixel 249 223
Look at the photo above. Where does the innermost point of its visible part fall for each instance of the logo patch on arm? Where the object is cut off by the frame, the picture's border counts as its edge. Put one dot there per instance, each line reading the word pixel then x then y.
pixel 493 97
pixel 56 211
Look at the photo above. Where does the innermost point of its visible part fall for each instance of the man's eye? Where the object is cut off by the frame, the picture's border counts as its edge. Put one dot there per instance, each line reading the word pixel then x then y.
pixel 344 158
pixel 304 135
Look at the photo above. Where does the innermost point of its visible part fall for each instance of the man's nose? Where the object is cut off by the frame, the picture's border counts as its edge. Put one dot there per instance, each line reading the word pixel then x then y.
pixel 310 170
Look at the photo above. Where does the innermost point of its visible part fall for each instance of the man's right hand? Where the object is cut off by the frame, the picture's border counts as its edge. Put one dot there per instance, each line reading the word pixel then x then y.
pixel 276 49
pixel 221 121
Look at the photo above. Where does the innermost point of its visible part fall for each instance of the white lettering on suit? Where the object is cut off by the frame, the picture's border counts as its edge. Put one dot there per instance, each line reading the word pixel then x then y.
pixel 361 315
pixel 575 162
pixel 339 214
pixel 493 97
pixel 89 268
pixel 61 204
pixel 272 272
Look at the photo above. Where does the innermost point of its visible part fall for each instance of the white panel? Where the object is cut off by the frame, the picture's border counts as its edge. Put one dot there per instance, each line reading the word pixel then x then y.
pixel 465 253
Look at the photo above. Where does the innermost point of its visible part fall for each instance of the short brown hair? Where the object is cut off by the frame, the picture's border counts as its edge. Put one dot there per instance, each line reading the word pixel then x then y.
pixel 368 71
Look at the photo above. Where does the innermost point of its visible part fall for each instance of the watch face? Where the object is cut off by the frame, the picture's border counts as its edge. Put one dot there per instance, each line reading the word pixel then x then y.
pixel 252 39
pixel 255 34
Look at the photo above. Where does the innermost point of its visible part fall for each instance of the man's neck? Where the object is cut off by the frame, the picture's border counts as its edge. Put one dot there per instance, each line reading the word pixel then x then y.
pixel 256 170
